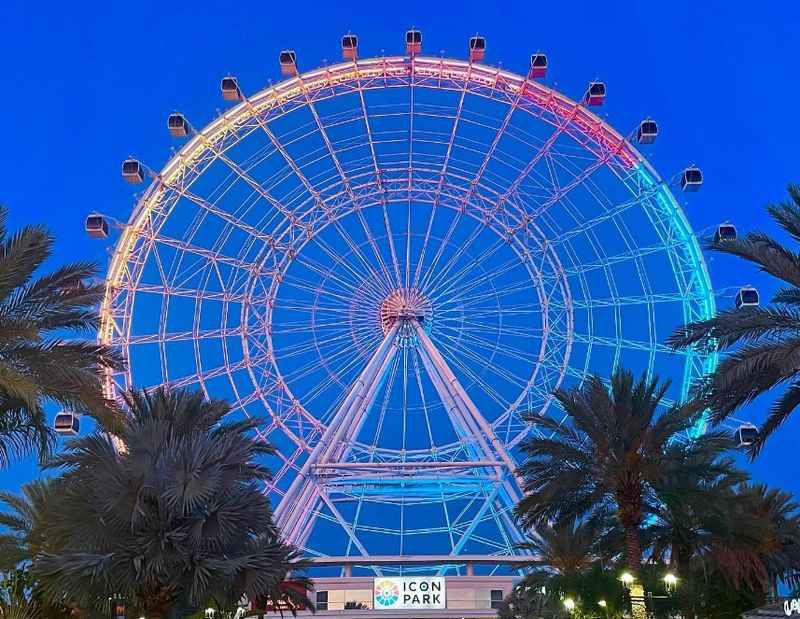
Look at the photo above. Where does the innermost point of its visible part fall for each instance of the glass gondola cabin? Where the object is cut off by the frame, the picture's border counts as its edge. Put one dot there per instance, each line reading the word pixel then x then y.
pixel 647 132
pixel 349 47
pixel 746 435
pixel 96 227
pixel 230 89
pixel 691 179
pixel 288 62
pixel 477 49
pixel 725 232
pixel 132 171
pixel 67 424
pixel 538 66
pixel 747 297
pixel 596 93
pixel 178 125
pixel 413 42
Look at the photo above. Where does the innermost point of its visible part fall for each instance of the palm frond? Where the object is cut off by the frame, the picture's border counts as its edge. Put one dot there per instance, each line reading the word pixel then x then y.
pixel 20 255
pixel 784 406
pixel 787 213
pixel 787 296
pixel 748 372
pixel 730 327
pixel 765 252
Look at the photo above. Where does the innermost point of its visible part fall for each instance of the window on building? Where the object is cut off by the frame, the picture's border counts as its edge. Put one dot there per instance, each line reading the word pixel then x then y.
pixel 497 598
pixel 322 600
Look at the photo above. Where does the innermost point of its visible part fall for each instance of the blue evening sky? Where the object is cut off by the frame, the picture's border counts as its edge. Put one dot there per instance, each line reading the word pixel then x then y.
pixel 87 84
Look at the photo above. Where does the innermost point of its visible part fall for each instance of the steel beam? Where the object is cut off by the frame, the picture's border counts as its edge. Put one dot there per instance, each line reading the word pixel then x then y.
pixel 470 412
pixel 298 503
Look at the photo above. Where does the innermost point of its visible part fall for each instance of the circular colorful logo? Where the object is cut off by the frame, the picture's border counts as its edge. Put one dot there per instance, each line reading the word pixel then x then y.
pixel 386 593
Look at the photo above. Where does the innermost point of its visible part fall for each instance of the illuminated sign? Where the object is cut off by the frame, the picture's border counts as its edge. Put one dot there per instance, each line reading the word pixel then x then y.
pixel 421 592
pixel 792 607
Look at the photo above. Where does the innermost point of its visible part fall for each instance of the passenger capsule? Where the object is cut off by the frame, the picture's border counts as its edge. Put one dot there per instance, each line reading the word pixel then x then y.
pixel 596 93
pixel 413 42
pixel 350 47
pixel 178 125
pixel 747 297
pixel 725 232
pixel 647 132
pixel 746 435
pixel 132 171
pixel 477 49
pixel 67 423
pixel 691 179
pixel 230 89
pixel 288 62
pixel 96 227
pixel 538 66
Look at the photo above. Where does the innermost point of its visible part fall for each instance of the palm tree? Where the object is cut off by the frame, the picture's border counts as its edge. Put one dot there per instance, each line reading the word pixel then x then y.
pixel 690 514
pixel 779 548
pixel 730 541
pixel 37 366
pixel 569 563
pixel 610 455
pixel 25 536
pixel 696 526
pixel 23 520
pixel 763 343
pixel 567 548
pixel 519 604
pixel 175 520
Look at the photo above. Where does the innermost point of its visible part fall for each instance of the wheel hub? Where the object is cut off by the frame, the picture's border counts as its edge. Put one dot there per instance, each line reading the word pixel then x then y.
pixel 406 304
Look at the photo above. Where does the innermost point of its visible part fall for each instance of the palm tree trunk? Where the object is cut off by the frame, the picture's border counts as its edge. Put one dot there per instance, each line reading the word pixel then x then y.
pixel 686 599
pixel 633 557
pixel 159 604
pixel 633 549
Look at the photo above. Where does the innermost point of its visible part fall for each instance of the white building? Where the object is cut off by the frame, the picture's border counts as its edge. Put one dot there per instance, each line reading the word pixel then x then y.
pixel 386 596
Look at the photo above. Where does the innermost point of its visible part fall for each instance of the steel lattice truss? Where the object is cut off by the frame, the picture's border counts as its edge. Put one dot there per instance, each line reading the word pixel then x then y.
pixel 392 262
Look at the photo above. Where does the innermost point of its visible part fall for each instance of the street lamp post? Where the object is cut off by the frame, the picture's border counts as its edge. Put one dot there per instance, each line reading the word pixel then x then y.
pixel 636 590
pixel 117 607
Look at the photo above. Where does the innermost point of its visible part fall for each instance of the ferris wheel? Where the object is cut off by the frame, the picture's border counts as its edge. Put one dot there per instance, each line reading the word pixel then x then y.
pixel 393 262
